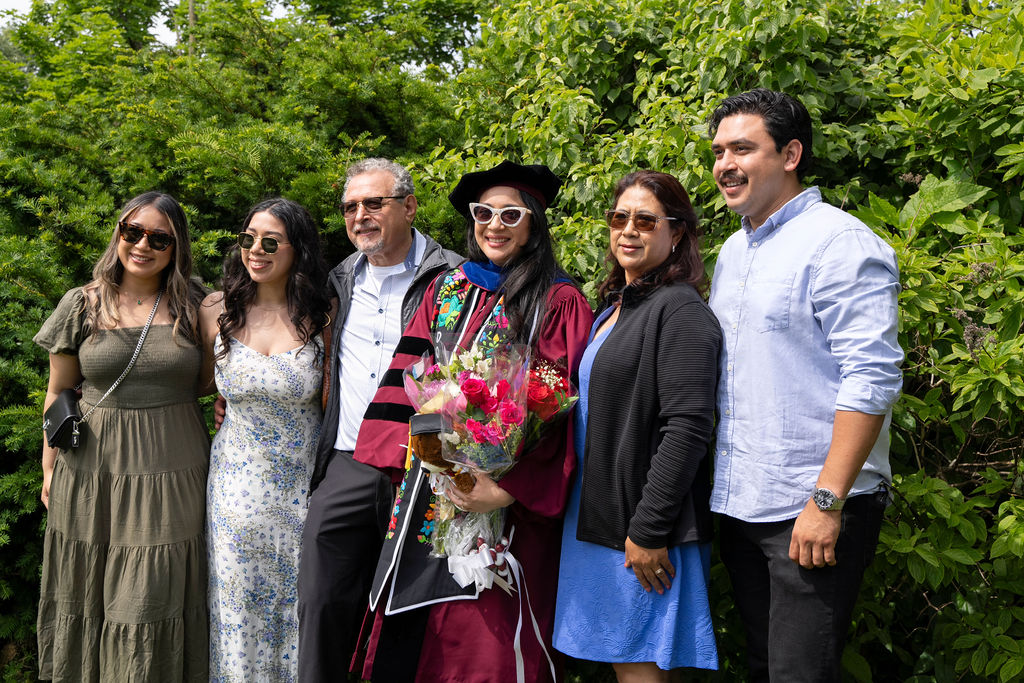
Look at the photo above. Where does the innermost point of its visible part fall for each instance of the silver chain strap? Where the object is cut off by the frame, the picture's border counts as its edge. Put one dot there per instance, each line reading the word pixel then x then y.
pixel 135 356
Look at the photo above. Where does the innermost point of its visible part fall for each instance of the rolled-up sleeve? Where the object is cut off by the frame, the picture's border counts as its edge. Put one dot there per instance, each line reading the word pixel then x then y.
pixel 854 293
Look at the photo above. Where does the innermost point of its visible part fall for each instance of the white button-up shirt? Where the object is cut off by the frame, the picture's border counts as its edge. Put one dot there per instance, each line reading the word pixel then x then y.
pixel 371 333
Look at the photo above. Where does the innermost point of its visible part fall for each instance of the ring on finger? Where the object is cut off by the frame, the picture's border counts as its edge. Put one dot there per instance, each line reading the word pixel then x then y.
pixel 659 571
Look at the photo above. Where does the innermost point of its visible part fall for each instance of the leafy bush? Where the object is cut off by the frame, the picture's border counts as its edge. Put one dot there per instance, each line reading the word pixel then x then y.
pixel 93 111
pixel 919 115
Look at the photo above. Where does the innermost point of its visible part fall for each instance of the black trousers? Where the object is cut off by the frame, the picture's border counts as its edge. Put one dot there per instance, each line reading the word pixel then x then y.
pixel 345 525
pixel 796 619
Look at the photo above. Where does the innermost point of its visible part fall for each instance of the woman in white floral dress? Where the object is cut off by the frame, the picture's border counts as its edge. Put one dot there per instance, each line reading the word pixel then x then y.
pixel 264 349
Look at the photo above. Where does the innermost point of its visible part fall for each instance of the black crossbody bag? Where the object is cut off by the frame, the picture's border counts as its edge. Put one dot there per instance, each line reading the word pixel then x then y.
pixel 62 420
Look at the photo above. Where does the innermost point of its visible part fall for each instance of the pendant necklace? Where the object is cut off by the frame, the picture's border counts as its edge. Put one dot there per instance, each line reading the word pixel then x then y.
pixel 139 300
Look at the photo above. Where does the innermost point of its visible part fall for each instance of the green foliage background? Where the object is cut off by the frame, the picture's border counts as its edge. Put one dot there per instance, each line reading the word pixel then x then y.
pixel 919 119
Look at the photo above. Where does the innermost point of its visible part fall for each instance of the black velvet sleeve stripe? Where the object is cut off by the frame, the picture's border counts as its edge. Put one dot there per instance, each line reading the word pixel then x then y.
pixel 393 378
pixel 413 346
pixel 390 412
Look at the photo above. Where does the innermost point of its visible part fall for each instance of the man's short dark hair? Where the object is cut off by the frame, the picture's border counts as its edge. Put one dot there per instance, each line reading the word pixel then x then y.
pixel 784 117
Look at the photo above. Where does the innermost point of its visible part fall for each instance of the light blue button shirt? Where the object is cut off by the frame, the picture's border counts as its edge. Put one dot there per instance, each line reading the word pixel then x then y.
pixel 807 304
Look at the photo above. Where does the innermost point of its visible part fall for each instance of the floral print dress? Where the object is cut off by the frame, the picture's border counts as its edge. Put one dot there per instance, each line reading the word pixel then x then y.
pixel 260 466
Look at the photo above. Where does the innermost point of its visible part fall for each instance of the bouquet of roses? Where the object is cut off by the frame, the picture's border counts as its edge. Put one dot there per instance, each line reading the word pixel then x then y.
pixel 481 402
pixel 550 395
pixel 489 409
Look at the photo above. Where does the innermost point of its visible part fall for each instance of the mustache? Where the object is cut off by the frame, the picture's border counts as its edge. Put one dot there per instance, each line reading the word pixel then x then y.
pixel 365 224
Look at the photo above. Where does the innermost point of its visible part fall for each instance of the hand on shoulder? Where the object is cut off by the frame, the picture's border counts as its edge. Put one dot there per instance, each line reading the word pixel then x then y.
pixel 212 299
pixel 209 311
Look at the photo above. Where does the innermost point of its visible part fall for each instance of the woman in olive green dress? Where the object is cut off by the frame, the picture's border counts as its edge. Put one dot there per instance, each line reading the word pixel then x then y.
pixel 123 593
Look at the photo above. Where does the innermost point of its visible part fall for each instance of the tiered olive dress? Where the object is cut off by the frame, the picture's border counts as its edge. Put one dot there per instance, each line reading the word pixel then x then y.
pixel 123 594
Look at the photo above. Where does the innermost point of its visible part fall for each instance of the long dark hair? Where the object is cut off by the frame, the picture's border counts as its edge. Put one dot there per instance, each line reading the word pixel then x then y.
pixel 306 290
pixel 182 291
pixel 683 264
pixel 529 276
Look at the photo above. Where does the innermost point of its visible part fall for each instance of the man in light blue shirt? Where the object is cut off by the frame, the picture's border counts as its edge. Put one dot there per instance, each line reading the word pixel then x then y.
pixel 806 295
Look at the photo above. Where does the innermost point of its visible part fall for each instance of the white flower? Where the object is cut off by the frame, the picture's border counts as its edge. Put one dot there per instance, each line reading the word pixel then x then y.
pixel 468 358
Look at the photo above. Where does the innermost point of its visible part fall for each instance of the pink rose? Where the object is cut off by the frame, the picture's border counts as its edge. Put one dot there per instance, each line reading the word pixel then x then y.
pixel 492 433
pixel 476 430
pixel 475 391
pixel 501 389
pixel 510 413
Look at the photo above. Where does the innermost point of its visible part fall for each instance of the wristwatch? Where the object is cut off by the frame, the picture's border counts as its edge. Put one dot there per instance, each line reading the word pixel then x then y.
pixel 826 500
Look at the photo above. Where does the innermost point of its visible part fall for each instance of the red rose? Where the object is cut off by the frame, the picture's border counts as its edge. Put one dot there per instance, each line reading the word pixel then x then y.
pixel 501 389
pixel 537 393
pixel 475 391
pixel 541 400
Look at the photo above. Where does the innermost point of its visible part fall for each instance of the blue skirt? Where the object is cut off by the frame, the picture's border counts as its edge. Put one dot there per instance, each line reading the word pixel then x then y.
pixel 604 615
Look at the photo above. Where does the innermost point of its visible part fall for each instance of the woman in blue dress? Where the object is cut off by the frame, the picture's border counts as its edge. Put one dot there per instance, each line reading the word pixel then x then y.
pixel 633 578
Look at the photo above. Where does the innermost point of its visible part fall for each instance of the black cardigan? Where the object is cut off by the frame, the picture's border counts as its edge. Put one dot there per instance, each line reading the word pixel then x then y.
pixel 650 416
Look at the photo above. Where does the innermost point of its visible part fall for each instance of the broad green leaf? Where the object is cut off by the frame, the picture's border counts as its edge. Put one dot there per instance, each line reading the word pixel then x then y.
pixel 1011 669
pixel 935 196
pixel 960 555
pixel 967 640
pixel 856 665
pixel 982 77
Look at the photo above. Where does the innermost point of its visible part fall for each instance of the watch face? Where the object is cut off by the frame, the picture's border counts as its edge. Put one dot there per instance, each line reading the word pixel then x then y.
pixel 824 499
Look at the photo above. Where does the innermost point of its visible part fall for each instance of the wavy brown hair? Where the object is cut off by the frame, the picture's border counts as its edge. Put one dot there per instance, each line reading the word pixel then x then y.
pixel 183 294
pixel 684 264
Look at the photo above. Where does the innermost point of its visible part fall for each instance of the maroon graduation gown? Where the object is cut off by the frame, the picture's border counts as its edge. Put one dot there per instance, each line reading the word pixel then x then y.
pixel 471 640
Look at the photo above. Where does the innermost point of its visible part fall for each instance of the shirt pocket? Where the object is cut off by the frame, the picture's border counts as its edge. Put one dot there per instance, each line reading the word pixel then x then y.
pixel 770 303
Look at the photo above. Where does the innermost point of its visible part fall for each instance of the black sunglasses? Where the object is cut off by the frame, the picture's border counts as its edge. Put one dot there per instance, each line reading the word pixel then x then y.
pixel 158 241
pixel 269 244
pixel 642 221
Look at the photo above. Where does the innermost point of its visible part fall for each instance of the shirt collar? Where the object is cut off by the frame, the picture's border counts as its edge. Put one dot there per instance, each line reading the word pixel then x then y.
pixel 636 291
pixel 790 210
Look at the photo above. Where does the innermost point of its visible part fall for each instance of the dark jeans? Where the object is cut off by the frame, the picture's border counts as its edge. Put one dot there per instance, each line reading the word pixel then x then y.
pixel 348 514
pixel 796 619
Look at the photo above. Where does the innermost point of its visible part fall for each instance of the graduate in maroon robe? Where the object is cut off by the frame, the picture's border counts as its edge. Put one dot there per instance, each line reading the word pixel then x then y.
pixel 510 291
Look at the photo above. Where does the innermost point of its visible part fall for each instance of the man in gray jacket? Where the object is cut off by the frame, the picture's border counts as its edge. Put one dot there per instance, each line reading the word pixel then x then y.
pixel 378 289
